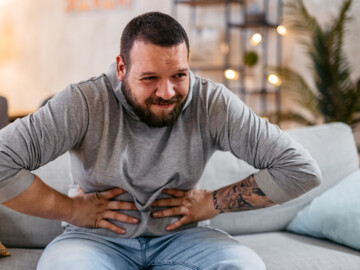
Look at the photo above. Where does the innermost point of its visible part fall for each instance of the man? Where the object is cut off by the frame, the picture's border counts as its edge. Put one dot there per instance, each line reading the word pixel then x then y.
pixel 139 138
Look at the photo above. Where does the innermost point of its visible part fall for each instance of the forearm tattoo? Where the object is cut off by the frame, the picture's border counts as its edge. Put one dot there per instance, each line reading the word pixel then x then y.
pixel 244 195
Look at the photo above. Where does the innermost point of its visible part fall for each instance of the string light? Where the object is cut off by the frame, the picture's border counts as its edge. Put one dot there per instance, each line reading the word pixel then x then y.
pixel 231 74
pixel 255 39
pixel 281 30
pixel 274 79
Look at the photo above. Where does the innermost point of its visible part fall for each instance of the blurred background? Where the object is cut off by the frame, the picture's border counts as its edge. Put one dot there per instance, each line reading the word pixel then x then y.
pixel 257 48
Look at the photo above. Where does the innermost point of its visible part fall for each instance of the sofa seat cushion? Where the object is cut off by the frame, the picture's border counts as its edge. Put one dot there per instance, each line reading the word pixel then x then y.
pixel 21 259
pixel 284 251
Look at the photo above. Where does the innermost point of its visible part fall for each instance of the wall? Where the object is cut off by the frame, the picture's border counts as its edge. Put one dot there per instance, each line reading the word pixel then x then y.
pixel 43 47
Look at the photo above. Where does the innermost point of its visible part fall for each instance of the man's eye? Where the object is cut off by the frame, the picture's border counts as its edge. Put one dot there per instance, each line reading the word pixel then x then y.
pixel 150 78
pixel 180 75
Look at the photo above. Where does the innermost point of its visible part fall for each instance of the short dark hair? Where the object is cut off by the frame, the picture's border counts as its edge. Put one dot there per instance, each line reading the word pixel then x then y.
pixel 154 27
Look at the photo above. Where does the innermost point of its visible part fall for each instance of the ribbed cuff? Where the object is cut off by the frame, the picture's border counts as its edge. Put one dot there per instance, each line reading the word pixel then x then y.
pixel 17 185
pixel 271 189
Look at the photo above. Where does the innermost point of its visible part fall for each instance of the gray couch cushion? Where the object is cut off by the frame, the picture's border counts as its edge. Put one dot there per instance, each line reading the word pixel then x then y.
pixel 286 251
pixel 331 145
pixel 19 230
pixel 21 259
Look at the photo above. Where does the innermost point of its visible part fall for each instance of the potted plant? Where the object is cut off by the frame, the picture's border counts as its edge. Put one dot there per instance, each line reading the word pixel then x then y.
pixel 336 97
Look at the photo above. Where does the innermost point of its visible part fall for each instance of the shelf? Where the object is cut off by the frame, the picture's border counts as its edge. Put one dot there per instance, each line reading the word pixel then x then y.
pixel 207 68
pixel 243 20
pixel 214 68
pixel 256 92
pixel 207 2
pixel 253 25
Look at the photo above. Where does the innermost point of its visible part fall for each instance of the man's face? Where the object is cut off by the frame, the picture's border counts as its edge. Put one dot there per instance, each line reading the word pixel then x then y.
pixel 157 83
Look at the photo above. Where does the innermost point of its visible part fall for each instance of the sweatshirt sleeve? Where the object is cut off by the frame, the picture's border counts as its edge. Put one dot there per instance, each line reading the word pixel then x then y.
pixel 39 138
pixel 286 169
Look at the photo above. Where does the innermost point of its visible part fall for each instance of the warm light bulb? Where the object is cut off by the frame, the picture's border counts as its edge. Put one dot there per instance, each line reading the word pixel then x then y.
pixel 255 39
pixel 274 79
pixel 231 74
pixel 281 30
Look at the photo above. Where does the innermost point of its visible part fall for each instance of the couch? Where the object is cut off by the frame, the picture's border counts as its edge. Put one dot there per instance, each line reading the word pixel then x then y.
pixel 264 230
pixel 4 117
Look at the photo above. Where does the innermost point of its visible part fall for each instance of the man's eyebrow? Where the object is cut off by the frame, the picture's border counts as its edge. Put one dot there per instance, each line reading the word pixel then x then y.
pixel 149 73
pixel 183 70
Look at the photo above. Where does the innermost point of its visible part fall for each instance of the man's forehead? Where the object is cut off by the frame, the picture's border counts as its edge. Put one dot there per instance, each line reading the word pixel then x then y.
pixel 149 58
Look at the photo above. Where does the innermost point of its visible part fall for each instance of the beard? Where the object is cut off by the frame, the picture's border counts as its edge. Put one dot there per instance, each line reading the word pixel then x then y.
pixel 164 118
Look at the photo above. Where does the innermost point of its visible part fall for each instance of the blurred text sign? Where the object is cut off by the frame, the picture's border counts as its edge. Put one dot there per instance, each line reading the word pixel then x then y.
pixel 90 5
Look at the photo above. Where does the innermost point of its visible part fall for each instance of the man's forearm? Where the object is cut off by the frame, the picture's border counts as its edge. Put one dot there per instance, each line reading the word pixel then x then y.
pixel 241 196
pixel 91 210
pixel 42 201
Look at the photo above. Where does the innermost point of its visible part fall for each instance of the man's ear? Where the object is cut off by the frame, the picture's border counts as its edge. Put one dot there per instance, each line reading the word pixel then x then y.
pixel 120 68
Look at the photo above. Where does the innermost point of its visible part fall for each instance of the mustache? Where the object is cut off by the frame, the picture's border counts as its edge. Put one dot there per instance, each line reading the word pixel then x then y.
pixel 161 101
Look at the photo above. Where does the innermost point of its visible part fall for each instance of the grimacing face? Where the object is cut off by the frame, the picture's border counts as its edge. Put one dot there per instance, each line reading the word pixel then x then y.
pixel 157 83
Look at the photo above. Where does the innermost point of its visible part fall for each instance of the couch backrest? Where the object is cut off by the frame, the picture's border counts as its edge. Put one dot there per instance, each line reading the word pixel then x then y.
pixel 331 145
pixel 4 118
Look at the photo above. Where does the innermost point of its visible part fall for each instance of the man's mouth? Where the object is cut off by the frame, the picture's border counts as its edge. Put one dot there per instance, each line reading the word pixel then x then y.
pixel 164 106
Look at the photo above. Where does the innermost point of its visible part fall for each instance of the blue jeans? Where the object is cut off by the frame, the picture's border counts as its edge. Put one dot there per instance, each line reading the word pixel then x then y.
pixel 195 248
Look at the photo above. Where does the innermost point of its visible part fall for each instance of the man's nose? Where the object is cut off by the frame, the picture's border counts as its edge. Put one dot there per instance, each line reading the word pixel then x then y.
pixel 165 90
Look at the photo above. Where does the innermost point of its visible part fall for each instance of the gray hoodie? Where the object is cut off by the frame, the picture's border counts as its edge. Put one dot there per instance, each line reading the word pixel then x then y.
pixel 110 147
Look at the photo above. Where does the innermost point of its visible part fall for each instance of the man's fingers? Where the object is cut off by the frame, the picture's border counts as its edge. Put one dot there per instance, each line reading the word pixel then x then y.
pixel 108 225
pixel 175 211
pixel 175 192
pixel 109 194
pixel 181 222
pixel 167 202
pixel 119 217
pixel 120 205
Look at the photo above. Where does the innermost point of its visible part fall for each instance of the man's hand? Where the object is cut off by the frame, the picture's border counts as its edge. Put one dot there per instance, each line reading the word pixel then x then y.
pixel 198 205
pixel 94 209
pixel 86 210
pixel 194 205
